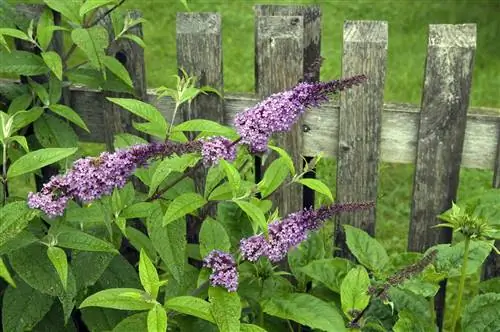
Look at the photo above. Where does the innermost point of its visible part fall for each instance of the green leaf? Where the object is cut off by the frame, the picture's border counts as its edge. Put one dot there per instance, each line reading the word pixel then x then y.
pixel 58 258
pixel 203 125
pixel 135 39
pixel 148 275
pixel 481 314
pixel 118 69
pixel 366 249
pixel 274 176
pixel 40 91
pixel 251 328
pixel 213 236
pixel 14 33
pixel 233 176
pixel 75 239
pixel 157 319
pixel 449 258
pixel 225 308
pixel 354 291
pixel 170 243
pixel 90 5
pixel 5 274
pixel 22 142
pixel 125 140
pixel 54 132
pixel 24 118
pixel 54 62
pixel 145 111
pixel 406 300
pixel 14 217
pixel 182 205
pixel 137 322
pixel 137 210
pixel 286 158
pixel 256 215
pixel 80 262
pixel 37 159
pixel 192 306
pixel 306 310
pixel 18 241
pixel 32 264
pixel 68 8
pixel 410 322
pixel 44 29
pixel 69 114
pixel 141 241
pixel 330 271
pixel 172 164
pixel 119 298
pixel 318 186
pixel 22 63
pixel 311 249
pixel 23 307
pixel 93 42
pixel 20 103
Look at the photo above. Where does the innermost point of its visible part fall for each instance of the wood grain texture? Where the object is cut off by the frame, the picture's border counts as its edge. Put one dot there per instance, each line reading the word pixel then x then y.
pixel 279 66
pixel 360 119
pixel 441 134
pixel 447 83
pixel 199 53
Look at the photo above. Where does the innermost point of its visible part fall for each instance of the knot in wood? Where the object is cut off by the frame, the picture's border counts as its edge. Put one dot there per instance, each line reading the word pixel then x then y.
pixel 306 128
pixel 344 146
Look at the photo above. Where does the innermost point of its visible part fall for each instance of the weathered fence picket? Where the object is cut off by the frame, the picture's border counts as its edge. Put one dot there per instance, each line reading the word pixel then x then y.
pixel 365 52
pixel 439 136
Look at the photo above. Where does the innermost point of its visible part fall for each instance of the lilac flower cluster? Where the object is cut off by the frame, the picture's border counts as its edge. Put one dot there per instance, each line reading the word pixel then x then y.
pixel 91 178
pixel 286 234
pixel 217 148
pixel 281 110
pixel 224 272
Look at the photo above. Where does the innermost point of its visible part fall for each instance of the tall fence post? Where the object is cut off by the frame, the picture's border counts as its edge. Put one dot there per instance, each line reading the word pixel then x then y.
pixel 360 117
pixel 311 15
pixel 492 265
pixel 199 53
pixel 447 83
pixel 278 66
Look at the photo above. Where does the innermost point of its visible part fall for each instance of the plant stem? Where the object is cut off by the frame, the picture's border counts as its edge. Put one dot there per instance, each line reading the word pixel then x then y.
pixel 463 272
pixel 4 173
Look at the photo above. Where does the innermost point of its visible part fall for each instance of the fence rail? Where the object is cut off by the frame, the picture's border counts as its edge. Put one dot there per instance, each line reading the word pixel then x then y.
pixel 439 136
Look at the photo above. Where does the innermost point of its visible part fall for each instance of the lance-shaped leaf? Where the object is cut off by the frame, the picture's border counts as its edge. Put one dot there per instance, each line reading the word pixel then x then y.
pixel 136 322
pixel 208 127
pixel 192 306
pixel 90 5
pixel 5 273
pixel 54 62
pixel 182 205
pixel 213 236
pixel 37 159
pixel 318 186
pixel 286 158
pixel 69 114
pixel 22 63
pixel 76 239
pixel 60 261
pixel 225 308
pixel 68 8
pixel 274 176
pixel 330 271
pixel 306 310
pixel 118 69
pixel 93 42
pixel 157 319
pixel 233 176
pixel 120 298
pixel 256 215
pixel 148 275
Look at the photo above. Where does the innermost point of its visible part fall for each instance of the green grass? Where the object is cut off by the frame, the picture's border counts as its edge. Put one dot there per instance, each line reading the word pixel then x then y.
pixel 408 25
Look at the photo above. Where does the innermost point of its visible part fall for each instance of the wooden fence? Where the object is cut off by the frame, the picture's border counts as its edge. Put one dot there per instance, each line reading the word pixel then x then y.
pixel 439 136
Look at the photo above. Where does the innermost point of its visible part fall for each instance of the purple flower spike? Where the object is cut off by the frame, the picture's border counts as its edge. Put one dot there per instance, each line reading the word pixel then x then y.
pixel 224 271
pixel 281 110
pixel 289 232
pixel 217 148
pixel 91 178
